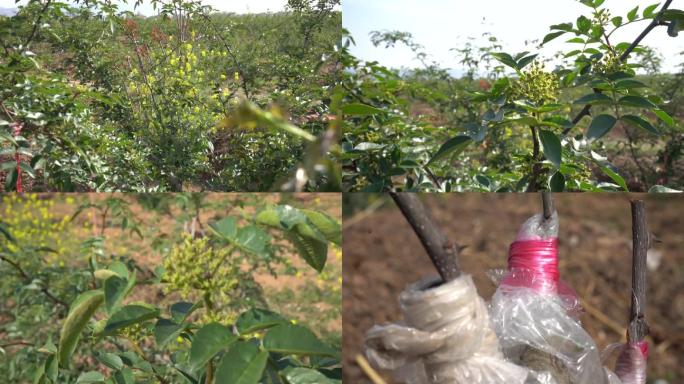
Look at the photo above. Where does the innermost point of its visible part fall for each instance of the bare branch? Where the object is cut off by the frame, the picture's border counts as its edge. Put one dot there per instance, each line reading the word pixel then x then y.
pixel 638 328
pixel 442 252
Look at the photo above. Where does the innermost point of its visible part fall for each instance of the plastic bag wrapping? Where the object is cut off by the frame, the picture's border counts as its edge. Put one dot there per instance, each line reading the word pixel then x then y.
pixel 536 331
pixel 446 338
pixel 535 315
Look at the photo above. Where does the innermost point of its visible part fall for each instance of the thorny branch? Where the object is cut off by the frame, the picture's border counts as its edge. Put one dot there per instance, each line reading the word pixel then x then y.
pixel 29 279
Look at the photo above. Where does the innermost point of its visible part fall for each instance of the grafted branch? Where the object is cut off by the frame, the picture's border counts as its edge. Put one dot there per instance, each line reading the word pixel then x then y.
pixel 442 252
pixel 638 328
pixel 547 204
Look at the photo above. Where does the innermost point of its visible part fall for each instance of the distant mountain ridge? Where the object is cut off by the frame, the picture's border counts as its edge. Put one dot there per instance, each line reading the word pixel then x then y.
pixel 8 11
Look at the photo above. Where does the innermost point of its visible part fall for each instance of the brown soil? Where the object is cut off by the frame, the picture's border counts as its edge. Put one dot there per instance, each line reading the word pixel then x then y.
pixel 382 255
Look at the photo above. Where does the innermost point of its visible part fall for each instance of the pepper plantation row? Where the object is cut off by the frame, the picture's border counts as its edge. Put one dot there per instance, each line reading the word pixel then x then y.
pixel 185 288
pixel 96 97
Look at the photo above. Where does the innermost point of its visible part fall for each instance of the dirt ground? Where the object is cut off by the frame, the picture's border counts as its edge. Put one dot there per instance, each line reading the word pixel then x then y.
pixel 382 255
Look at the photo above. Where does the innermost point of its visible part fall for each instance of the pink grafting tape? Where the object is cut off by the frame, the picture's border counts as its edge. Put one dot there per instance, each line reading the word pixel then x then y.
pixel 534 264
pixel 631 364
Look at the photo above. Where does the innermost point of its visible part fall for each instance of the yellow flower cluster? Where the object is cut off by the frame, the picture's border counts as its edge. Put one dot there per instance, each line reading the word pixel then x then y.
pixel 537 85
pixel 32 221
pixel 609 63
pixel 195 268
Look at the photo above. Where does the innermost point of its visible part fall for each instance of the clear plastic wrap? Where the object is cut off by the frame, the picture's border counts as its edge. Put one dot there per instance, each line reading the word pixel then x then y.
pixel 446 338
pixel 534 315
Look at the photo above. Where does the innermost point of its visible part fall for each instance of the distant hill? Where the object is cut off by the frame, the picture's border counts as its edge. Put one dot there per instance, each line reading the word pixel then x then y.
pixel 8 11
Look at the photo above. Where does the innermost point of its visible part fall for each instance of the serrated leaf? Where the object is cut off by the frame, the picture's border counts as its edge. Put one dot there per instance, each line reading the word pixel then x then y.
pixel 636 101
pixel 505 59
pixel 208 341
pixel 129 315
pixel 639 122
pixel 552 146
pixel 452 147
pixel 115 291
pixel 313 251
pixel 242 364
pixel 90 378
pixel 600 125
pixel 257 319
pixel 329 227
pixel 291 339
pixel 557 182
pixel 594 98
pixel 301 375
pixel 80 313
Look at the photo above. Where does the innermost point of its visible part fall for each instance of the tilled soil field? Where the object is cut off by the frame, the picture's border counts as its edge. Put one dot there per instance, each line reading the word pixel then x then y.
pixel 382 255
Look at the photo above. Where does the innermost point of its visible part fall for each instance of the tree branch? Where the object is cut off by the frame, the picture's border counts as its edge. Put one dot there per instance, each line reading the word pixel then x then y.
pixel 37 23
pixel 638 328
pixel 654 23
pixel 29 279
pixel 547 204
pixel 442 252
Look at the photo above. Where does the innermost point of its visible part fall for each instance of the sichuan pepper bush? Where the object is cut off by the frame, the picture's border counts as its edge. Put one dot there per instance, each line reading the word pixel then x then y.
pixel 522 125
pixel 91 314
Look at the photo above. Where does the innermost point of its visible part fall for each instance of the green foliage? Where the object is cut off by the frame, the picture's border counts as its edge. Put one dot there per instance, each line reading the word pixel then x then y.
pixel 190 99
pixel 512 123
pixel 111 329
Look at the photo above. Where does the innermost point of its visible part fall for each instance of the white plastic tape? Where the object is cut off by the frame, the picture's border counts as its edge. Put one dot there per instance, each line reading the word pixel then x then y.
pixel 446 338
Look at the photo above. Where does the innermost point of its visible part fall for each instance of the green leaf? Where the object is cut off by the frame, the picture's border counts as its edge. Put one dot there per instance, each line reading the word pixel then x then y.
pixel 452 147
pixel 632 15
pixel 329 227
pixel 552 146
pixel 90 377
pixel 552 36
pixel 359 109
pixel 226 228
pixel 208 341
pixel 522 63
pixel 242 364
pixel 256 319
pixel 11 180
pixel 181 310
pixel 557 182
pixel 166 330
pixel 639 122
pixel 110 360
pixel 290 339
pixel 662 115
pixel 600 125
pixel 629 84
pixel 253 239
pixel 619 180
pixel 115 291
pixel 506 59
pixel 314 252
pixel 124 376
pixel 594 98
pixel 617 21
pixel 129 315
pixel 82 309
pixel 636 101
pixel 649 11
pixel 301 375
pixel 583 24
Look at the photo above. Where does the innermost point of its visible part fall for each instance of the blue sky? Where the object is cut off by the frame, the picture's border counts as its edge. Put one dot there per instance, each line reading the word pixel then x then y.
pixel 237 6
pixel 443 24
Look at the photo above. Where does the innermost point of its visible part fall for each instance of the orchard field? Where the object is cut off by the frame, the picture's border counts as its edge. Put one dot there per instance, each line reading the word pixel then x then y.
pixel 170 288
pixel 598 115
pixel 97 98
